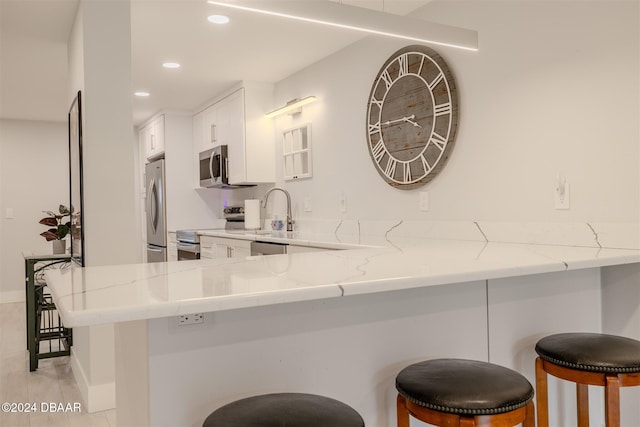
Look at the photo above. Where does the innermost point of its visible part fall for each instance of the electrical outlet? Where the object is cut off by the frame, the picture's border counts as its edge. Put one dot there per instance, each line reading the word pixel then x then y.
pixel 190 319
pixel 307 204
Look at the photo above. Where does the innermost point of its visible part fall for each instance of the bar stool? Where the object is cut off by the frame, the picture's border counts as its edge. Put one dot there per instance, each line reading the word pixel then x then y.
pixel 458 392
pixel 587 359
pixel 285 410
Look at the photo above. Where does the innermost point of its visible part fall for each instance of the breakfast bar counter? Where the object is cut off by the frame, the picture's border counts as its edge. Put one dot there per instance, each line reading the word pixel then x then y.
pixel 111 294
pixel 340 323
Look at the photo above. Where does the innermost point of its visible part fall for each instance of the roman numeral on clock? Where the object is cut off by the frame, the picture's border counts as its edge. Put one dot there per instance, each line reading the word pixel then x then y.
pixel 425 164
pixel 435 81
pixel 438 140
pixel 386 77
pixel 407 172
pixel 390 170
pixel 378 151
pixel 377 103
pixel 374 128
pixel 442 109
pixel 403 63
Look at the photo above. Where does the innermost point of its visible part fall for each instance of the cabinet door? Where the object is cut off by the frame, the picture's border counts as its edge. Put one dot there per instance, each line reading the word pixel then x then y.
pixel 234 136
pixel 154 137
pixel 239 249
pixel 221 250
pixel 199 133
pixel 207 248
pixel 143 137
pixel 158 127
pixel 223 247
pixel 211 127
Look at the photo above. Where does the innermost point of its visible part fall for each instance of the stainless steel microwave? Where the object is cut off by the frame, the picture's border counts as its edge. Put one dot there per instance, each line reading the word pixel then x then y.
pixel 213 167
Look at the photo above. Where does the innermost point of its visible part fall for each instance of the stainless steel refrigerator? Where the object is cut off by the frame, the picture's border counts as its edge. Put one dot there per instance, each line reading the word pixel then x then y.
pixel 156 212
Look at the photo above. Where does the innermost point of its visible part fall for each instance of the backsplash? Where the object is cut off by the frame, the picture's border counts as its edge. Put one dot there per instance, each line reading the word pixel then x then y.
pixel 594 235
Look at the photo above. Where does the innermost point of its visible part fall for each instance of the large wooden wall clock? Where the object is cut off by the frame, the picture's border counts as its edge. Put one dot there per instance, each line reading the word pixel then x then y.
pixel 412 117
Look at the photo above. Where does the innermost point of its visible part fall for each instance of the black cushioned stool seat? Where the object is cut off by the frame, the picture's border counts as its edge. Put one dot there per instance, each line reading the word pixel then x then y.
pixel 285 410
pixel 587 359
pixel 464 392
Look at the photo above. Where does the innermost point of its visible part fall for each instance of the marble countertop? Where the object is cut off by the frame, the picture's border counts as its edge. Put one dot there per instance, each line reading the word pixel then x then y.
pixel 384 262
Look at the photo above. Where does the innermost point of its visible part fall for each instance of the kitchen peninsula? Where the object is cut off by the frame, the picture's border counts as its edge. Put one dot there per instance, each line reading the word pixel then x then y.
pixel 343 322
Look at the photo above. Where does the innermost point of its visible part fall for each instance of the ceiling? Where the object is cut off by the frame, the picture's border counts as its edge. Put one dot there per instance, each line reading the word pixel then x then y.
pixel 33 61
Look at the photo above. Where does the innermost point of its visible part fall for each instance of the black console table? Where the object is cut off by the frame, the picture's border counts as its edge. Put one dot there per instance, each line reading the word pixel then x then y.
pixel 46 336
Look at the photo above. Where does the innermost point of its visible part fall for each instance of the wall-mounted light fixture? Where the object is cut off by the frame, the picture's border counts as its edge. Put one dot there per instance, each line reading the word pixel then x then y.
pixel 293 107
pixel 360 19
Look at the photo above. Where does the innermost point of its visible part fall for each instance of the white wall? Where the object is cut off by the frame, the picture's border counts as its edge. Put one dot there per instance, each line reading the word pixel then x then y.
pixel 100 65
pixel 34 177
pixel 554 89
pixel 348 348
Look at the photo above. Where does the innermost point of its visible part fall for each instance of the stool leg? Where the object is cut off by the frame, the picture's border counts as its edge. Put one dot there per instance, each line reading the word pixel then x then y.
pixel 402 412
pixel 542 398
pixel 530 420
pixel 612 401
pixel 468 422
pixel 582 394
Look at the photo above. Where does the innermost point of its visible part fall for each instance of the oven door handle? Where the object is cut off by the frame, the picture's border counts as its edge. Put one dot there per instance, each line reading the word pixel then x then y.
pixel 189 247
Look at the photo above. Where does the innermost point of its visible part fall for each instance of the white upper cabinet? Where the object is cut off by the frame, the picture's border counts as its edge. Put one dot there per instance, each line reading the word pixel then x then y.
pixel 152 137
pixel 237 120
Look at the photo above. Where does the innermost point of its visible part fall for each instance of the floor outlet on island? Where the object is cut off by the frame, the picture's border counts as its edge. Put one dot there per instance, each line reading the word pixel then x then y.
pixel 190 319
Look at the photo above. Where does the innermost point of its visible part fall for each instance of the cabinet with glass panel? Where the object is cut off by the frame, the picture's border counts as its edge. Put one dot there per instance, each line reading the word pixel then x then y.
pixel 296 150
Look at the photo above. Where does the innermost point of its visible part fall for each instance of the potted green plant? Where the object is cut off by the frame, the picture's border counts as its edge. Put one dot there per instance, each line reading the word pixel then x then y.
pixel 58 228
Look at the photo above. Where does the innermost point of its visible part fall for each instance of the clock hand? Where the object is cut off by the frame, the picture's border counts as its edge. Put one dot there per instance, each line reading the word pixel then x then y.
pixel 408 119
pixel 416 124
pixel 390 122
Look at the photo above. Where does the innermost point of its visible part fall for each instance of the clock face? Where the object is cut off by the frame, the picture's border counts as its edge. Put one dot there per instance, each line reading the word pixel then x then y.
pixel 412 117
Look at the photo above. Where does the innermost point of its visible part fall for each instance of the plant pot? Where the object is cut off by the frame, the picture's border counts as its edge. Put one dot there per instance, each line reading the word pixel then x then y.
pixel 59 246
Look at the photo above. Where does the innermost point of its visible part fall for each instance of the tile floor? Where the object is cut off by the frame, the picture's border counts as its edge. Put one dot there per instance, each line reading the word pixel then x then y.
pixel 52 382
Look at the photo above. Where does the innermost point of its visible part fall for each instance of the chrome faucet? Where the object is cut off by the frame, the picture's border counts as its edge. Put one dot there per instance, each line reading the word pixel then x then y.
pixel 286 193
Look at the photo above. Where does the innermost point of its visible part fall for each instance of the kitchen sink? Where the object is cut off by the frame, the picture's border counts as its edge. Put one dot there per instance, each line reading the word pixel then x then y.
pixel 261 232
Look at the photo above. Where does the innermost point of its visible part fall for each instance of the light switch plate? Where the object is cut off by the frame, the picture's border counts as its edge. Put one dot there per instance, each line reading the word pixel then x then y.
pixel 562 194
pixel 307 204
pixel 8 213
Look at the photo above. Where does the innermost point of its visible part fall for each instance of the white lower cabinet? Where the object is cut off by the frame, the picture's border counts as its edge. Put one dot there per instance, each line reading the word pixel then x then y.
pixel 207 246
pixel 222 247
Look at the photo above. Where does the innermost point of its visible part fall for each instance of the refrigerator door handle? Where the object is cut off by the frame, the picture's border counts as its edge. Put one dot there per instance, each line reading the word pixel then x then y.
pixel 152 201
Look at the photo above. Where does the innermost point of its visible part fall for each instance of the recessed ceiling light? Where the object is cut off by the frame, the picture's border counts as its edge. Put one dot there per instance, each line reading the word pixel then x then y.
pixel 218 19
pixel 142 94
pixel 171 65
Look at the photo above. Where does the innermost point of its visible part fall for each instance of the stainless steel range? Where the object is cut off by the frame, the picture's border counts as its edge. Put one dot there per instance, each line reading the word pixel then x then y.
pixel 188 245
pixel 189 240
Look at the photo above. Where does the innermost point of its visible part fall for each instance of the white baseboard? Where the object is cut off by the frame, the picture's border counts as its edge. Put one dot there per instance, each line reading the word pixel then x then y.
pixel 12 296
pixel 97 397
